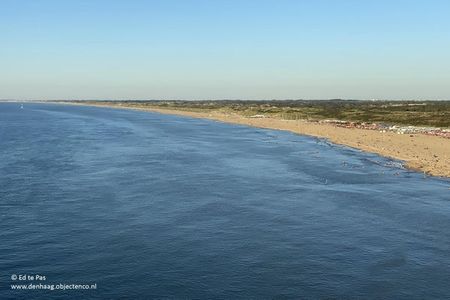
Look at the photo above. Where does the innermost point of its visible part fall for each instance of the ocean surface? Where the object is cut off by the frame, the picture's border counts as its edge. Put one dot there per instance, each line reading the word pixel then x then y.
pixel 151 206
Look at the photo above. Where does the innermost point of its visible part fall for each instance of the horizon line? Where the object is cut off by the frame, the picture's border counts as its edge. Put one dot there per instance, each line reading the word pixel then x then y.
pixel 224 99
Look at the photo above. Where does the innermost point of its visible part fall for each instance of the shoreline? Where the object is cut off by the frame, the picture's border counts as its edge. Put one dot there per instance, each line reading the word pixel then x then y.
pixel 419 152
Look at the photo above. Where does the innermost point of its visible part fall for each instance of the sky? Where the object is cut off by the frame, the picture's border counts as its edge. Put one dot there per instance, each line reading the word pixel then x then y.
pixel 224 49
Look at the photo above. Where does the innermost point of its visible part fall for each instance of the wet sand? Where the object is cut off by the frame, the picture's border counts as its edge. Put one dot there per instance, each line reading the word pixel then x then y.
pixel 428 154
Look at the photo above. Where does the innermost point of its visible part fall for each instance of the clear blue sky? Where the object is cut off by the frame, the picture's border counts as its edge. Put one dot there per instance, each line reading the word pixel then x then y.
pixel 224 49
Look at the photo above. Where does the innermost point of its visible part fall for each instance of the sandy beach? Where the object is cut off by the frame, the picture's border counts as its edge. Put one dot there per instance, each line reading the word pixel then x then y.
pixel 428 154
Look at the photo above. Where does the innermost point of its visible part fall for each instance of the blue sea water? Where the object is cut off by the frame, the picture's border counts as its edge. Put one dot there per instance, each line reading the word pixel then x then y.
pixel 152 206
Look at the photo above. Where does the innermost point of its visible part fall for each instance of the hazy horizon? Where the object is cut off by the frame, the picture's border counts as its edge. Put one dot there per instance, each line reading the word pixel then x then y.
pixel 216 50
pixel 180 99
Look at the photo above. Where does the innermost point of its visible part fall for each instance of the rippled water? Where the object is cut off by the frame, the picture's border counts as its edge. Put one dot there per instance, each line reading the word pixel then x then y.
pixel 157 206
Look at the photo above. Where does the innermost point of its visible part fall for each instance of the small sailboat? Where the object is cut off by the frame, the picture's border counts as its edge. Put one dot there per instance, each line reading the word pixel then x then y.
pixel 21 106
